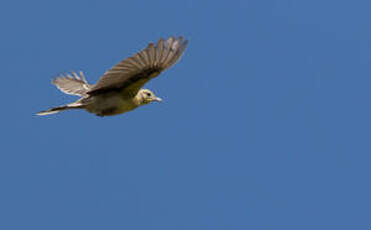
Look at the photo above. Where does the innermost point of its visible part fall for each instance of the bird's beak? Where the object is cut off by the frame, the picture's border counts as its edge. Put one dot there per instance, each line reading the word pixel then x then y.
pixel 157 99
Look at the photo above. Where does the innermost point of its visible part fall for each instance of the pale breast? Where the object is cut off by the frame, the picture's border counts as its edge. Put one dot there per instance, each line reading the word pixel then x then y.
pixel 110 104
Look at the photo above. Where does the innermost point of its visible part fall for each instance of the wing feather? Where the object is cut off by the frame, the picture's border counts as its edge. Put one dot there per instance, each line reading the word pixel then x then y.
pixel 72 84
pixel 132 73
pixel 158 51
pixel 166 51
pixel 178 54
pixel 133 61
pixel 173 48
pixel 151 54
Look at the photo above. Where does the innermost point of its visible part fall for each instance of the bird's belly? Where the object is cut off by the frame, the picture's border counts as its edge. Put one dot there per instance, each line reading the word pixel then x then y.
pixel 108 105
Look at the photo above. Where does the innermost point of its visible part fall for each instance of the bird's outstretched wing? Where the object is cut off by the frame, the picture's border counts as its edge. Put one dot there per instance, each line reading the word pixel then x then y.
pixel 74 84
pixel 132 73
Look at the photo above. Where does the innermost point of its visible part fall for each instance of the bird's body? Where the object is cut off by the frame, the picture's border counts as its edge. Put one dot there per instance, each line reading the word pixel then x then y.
pixel 119 89
pixel 111 103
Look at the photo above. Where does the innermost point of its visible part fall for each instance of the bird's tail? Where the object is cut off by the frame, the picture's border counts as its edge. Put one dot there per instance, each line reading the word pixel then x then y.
pixel 59 109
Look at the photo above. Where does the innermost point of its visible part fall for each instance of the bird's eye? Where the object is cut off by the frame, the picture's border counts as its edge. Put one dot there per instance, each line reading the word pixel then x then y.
pixel 148 94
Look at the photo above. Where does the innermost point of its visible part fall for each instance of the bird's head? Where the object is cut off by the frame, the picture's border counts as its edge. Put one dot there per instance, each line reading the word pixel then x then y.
pixel 146 96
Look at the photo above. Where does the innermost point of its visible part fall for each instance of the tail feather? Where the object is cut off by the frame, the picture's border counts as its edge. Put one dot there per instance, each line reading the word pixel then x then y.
pixel 53 110
pixel 58 109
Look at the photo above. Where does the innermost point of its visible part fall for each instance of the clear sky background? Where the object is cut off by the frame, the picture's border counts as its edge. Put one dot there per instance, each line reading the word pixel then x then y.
pixel 265 122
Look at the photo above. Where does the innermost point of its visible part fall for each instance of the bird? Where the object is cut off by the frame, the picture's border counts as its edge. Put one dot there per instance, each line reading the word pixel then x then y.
pixel 120 90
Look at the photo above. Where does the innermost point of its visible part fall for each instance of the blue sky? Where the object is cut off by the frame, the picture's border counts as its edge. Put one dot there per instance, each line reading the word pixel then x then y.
pixel 265 122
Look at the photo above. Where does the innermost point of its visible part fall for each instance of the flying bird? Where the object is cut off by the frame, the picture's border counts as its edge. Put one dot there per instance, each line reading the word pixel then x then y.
pixel 119 90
